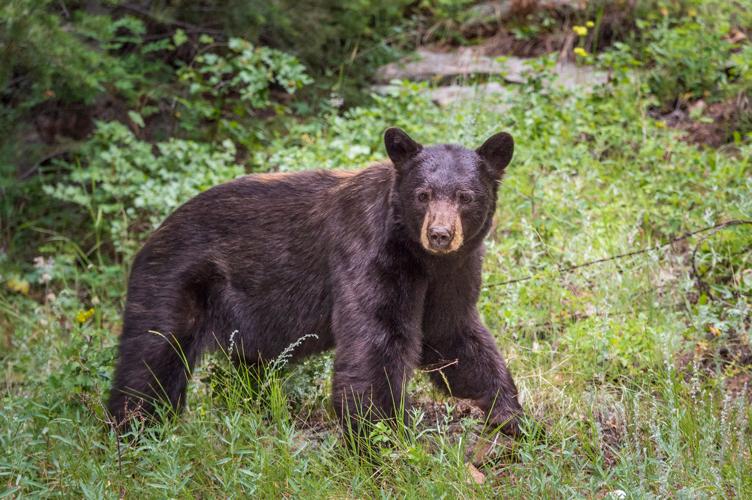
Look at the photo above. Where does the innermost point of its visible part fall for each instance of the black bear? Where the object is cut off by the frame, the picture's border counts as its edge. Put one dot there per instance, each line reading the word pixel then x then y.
pixel 382 264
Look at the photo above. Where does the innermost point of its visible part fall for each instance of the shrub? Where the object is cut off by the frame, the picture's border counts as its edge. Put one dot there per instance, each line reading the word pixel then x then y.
pixel 128 188
pixel 338 41
pixel 689 60
pixel 46 57
pixel 226 87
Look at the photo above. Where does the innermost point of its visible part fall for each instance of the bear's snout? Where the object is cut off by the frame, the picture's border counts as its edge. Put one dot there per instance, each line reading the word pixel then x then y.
pixel 442 228
pixel 440 237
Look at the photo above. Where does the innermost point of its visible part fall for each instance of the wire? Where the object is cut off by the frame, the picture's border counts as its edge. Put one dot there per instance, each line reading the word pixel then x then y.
pixel 715 227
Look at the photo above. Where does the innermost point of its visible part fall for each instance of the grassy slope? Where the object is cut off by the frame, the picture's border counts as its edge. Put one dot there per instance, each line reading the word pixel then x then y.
pixel 595 352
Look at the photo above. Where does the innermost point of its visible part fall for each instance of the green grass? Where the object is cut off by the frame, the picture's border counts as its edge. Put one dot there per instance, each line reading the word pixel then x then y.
pixel 633 373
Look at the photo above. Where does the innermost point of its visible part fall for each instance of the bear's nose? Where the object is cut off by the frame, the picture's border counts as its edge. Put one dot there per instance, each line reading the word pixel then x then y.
pixel 439 236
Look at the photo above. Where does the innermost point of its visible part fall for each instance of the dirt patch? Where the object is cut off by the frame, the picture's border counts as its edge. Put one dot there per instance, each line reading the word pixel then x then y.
pixel 436 414
pixel 710 124
pixel 316 422
pixel 729 355
pixel 613 429
pixel 740 383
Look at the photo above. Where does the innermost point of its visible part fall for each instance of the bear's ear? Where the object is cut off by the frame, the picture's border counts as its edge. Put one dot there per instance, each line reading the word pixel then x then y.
pixel 399 146
pixel 497 152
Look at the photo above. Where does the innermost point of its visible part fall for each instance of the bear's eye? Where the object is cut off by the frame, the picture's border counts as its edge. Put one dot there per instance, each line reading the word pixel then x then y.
pixel 423 196
pixel 465 197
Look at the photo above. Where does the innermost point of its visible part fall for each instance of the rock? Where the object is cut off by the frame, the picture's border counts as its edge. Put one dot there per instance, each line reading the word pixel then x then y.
pixel 571 76
pixel 429 65
pixel 450 69
pixel 465 62
pixel 494 93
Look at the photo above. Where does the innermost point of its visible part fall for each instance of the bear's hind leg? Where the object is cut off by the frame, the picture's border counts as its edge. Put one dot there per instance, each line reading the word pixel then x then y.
pixel 161 342
pixel 153 367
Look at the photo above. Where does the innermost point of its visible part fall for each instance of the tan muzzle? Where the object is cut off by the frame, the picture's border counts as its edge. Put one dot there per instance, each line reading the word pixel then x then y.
pixel 442 228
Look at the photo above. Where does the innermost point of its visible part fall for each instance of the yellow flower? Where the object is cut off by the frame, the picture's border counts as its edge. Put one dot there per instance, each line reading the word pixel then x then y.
pixel 580 30
pixel 83 316
pixel 692 12
pixel 590 24
pixel 18 285
pixel 580 52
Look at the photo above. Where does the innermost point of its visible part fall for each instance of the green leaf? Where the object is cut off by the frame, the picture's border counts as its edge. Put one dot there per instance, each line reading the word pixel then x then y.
pixel 179 38
pixel 136 118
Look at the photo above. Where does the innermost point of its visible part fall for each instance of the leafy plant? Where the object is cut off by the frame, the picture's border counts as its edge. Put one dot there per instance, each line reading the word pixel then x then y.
pixel 225 88
pixel 128 186
pixel 689 59
pixel 340 43
pixel 86 55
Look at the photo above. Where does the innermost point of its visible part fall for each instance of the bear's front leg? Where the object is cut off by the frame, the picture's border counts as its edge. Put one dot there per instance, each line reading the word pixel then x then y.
pixel 377 347
pixel 369 381
pixel 464 361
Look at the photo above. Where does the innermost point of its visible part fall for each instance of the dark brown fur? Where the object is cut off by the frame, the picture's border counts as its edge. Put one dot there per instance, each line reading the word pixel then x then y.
pixel 337 255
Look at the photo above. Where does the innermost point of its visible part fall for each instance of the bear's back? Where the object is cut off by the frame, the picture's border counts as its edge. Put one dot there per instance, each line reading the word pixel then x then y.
pixel 264 226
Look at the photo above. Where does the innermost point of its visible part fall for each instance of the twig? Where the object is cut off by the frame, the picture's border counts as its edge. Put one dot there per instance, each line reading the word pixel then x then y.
pixel 438 369
pixel 715 228
pixel 63 149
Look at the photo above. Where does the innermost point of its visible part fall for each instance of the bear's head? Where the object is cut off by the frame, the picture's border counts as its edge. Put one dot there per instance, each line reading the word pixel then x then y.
pixel 447 193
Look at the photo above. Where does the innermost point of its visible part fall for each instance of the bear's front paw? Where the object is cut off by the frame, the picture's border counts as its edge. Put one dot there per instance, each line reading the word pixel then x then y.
pixel 506 421
pixel 496 443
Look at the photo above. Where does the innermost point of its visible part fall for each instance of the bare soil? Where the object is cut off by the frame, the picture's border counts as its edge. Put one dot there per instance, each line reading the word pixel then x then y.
pixel 709 124
pixel 728 354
